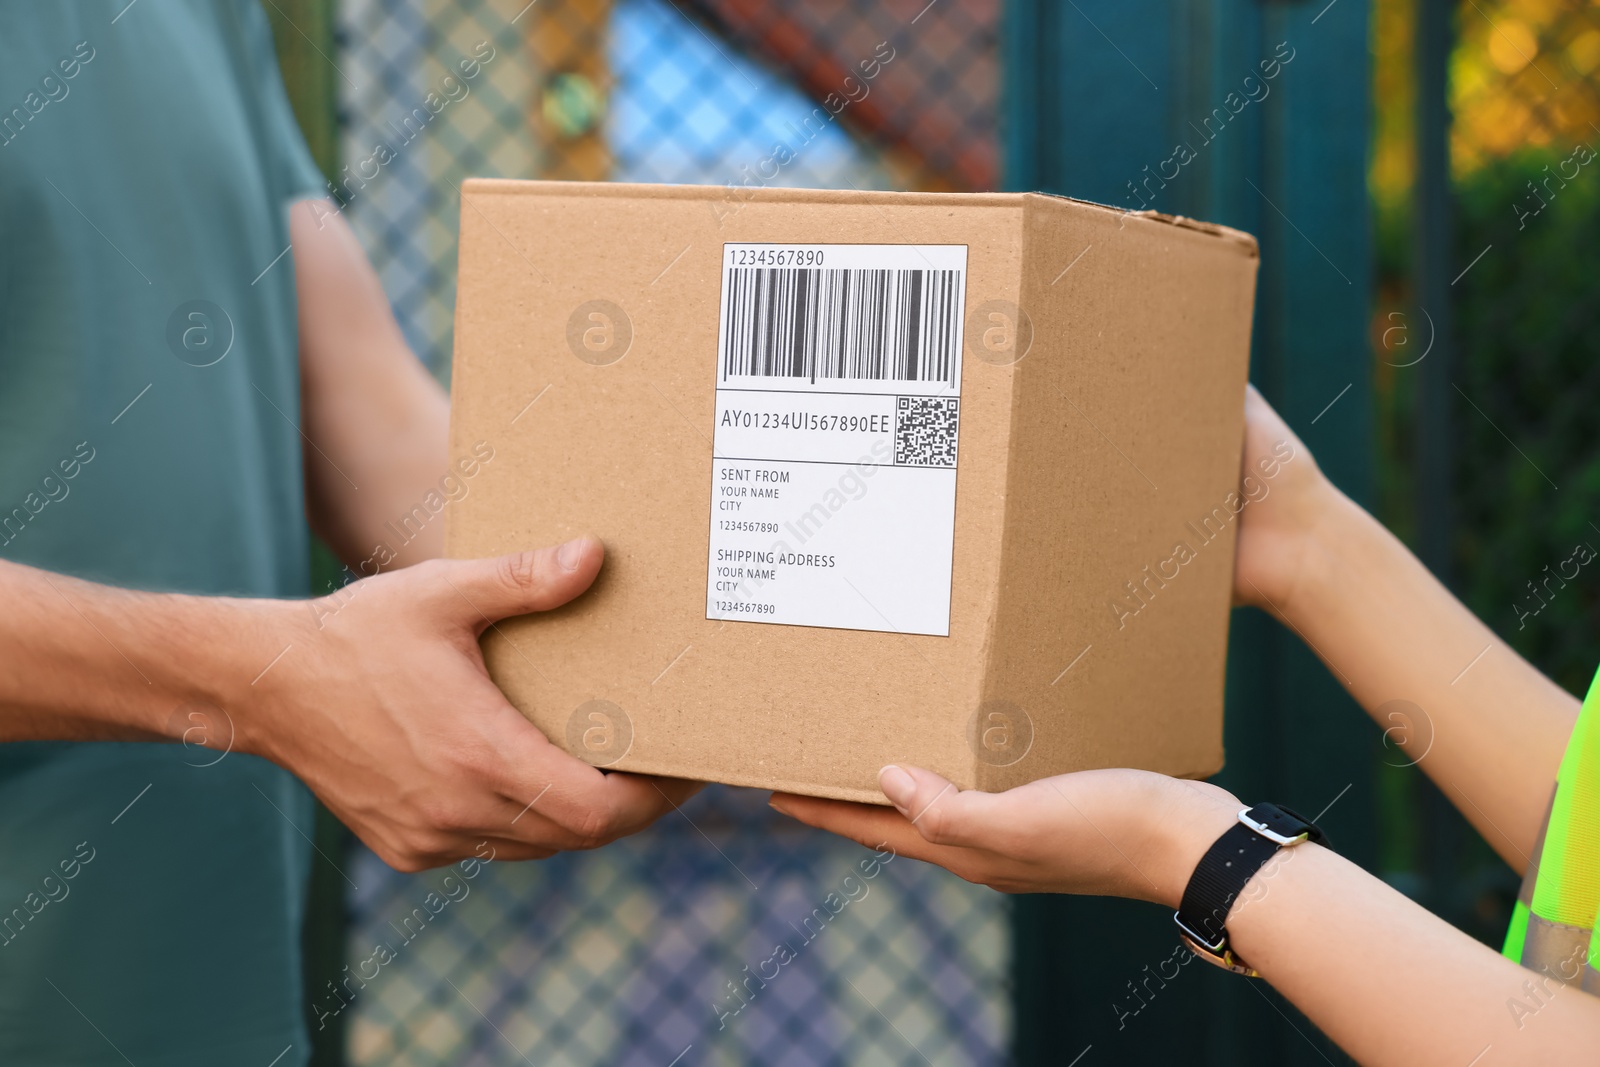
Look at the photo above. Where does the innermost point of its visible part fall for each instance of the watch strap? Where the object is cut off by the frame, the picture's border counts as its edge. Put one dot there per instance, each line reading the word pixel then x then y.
pixel 1218 879
pixel 1227 867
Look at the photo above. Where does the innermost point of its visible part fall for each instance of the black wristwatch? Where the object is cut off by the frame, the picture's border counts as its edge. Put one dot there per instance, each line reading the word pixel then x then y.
pixel 1221 875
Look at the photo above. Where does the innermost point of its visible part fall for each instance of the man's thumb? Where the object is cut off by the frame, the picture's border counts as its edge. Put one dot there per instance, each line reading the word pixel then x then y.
pixel 544 578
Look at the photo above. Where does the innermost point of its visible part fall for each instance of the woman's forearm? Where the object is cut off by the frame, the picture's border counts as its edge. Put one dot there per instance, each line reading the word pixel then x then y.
pixel 1491 729
pixel 1392 983
pixel 1389 982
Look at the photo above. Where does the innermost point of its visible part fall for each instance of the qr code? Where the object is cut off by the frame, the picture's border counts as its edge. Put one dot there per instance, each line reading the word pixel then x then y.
pixel 925 431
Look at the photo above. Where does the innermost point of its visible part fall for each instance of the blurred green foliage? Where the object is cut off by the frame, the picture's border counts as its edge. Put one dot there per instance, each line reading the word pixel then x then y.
pixel 1527 468
pixel 1526 374
pixel 303 33
pixel 1528 465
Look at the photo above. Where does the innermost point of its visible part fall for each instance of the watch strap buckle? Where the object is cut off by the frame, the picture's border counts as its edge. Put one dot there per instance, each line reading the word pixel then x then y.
pixel 1286 840
pixel 1200 940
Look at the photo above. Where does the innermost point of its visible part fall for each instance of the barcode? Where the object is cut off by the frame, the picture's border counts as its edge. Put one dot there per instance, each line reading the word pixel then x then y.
pixel 884 325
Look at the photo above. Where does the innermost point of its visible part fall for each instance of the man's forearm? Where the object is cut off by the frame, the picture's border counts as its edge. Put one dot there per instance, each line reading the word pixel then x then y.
pixel 80 661
pixel 1492 728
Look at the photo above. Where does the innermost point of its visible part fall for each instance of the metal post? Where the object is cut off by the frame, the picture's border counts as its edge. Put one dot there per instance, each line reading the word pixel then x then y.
pixel 1432 257
pixel 1434 493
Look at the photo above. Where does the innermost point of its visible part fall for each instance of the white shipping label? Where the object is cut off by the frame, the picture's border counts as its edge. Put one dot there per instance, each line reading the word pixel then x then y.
pixel 833 477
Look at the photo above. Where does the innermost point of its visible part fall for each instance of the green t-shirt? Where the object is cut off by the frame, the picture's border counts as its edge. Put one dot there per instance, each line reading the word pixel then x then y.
pixel 150 908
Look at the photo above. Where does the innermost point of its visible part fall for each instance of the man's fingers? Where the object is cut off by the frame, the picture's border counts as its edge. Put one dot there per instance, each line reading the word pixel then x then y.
pixel 600 810
pixel 486 848
pixel 486 590
pixel 616 804
pixel 675 790
pixel 553 793
pixel 507 850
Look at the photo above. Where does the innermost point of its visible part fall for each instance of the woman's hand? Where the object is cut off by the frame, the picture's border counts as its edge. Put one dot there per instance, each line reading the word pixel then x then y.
pixel 1107 832
pixel 1287 496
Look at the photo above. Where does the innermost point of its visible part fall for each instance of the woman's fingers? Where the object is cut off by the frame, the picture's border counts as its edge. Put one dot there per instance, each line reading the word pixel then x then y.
pixel 928 800
pixel 886 830
pixel 943 814
pixel 1096 831
pixel 865 824
pixel 931 818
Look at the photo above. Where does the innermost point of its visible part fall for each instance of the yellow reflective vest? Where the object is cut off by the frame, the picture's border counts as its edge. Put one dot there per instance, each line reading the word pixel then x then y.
pixel 1552 927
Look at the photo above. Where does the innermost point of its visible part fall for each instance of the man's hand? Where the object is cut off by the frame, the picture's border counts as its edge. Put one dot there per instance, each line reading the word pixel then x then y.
pixel 387 712
pixel 1108 833
pixel 376 696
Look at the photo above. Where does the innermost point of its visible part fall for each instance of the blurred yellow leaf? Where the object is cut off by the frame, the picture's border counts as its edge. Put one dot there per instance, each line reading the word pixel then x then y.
pixel 1512 46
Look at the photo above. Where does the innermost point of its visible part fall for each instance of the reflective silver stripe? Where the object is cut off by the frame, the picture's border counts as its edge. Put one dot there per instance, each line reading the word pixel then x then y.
pixel 1555 949
pixel 1531 875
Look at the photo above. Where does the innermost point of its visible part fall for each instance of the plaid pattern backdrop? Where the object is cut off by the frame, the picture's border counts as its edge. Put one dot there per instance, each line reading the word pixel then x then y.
pixel 645 952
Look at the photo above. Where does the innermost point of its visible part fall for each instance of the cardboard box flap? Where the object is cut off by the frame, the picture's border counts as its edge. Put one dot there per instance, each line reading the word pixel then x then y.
pixel 1244 242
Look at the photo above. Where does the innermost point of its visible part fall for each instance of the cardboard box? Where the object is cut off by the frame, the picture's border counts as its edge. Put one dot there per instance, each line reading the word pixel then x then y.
pixel 883 477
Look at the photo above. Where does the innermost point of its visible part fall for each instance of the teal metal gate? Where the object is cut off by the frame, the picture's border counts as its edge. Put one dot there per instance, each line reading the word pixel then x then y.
pixel 1166 104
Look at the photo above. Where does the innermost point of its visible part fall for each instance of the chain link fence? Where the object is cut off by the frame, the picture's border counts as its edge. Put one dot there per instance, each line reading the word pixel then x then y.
pixel 726 934
pixel 870 95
